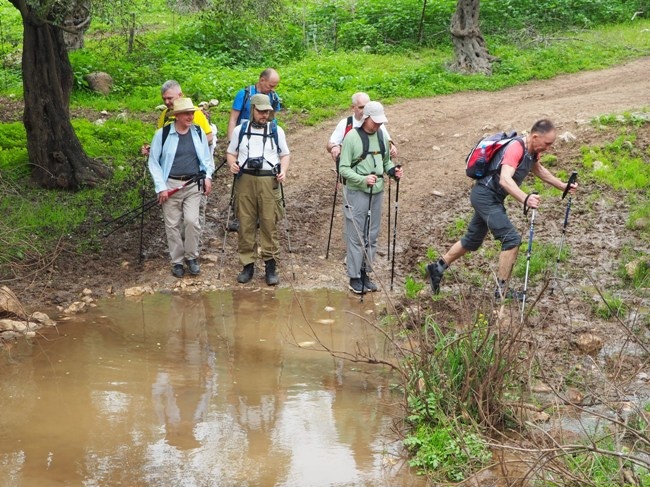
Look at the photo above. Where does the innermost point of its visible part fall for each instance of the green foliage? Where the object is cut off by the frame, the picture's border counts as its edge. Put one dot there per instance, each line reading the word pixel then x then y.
pixel 610 306
pixel 542 258
pixel 603 469
pixel 412 287
pixel 623 166
pixel 445 405
pixel 453 454
pixel 456 229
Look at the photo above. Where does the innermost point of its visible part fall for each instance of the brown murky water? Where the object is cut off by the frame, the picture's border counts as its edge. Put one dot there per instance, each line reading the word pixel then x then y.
pixel 204 390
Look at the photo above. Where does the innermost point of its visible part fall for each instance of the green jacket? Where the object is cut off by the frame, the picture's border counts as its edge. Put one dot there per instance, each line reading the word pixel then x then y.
pixel 356 176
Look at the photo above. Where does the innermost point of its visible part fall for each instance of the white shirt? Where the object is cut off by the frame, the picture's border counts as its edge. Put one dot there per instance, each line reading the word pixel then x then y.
pixel 258 146
pixel 339 132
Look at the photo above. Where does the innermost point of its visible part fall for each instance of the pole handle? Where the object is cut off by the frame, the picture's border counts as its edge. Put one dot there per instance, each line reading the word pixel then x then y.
pixel 572 179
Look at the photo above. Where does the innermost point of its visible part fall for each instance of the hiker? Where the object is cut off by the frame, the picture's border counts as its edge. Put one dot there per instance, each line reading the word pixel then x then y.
pixel 258 156
pixel 241 110
pixel 355 120
pixel 363 162
pixel 171 91
pixel 179 154
pixel 514 161
pixel 241 107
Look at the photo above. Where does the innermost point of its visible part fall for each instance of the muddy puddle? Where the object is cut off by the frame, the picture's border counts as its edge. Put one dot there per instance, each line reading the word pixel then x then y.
pixel 202 390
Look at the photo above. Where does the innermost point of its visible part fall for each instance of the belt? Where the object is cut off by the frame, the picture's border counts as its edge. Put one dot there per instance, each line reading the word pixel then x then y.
pixel 258 172
pixel 183 177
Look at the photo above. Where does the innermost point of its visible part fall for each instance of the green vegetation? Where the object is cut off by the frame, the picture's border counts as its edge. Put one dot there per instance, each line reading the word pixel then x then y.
pixel 457 387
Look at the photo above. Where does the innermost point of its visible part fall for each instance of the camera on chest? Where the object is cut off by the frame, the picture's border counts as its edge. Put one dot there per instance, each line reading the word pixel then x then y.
pixel 255 163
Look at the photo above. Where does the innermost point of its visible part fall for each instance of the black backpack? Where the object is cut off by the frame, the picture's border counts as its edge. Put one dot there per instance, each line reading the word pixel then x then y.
pixel 365 144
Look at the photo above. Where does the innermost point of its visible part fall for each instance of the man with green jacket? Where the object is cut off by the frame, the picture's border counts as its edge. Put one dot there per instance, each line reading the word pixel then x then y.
pixel 363 162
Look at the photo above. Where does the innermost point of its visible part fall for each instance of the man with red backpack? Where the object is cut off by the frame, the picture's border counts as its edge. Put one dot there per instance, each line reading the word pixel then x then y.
pixel 512 163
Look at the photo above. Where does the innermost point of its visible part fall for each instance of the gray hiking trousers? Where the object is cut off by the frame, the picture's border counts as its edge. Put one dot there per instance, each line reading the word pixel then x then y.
pixel 355 210
pixel 489 214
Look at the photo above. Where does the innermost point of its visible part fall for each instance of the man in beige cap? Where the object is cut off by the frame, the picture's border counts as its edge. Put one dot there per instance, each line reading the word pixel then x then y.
pixel 258 156
pixel 180 154
pixel 363 173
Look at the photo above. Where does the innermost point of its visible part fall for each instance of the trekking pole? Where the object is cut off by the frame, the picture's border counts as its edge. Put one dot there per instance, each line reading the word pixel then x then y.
pixel 392 266
pixel 572 180
pixel 225 230
pixel 286 228
pixel 366 244
pixel 131 215
pixel 529 252
pixel 329 237
pixel 142 190
pixel 388 251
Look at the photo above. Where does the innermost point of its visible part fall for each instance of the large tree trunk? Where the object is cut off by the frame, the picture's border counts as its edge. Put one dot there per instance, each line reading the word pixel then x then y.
pixel 471 54
pixel 55 153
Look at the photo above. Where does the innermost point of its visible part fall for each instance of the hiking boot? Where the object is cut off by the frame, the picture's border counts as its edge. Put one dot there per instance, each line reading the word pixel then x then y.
pixel 193 266
pixel 178 270
pixel 435 271
pixel 272 278
pixel 233 225
pixel 246 274
pixel 369 285
pixel 356 285
pixel 509 294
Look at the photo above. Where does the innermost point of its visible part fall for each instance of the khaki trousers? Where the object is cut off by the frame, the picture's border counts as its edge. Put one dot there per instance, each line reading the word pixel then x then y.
pixel 182 223
pixel 258 200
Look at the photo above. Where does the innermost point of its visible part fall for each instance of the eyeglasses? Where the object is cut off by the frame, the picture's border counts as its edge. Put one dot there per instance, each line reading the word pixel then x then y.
pixel 361 107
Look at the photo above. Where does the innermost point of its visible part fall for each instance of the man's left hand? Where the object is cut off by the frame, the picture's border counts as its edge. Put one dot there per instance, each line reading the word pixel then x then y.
pixel 399 172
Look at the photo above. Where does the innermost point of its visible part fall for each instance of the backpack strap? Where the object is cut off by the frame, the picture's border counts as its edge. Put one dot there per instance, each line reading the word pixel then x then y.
pixel 245 130
pixel 247 96
pixel 365 144
pixel 348 125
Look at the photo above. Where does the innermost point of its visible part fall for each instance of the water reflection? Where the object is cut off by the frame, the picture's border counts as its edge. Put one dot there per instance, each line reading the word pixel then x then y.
pixel 200 390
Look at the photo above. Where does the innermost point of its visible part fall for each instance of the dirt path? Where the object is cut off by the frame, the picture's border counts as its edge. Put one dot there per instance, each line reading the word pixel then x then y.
pixel 433 135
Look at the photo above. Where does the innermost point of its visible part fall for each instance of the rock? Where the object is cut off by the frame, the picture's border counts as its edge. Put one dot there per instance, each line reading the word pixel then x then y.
pixel 589 343
pixel 9 304
pixel 100 82
pixel 138 291
pixel 574 396
pixel 86 292
pixel 541 388
pixel 211 257
pixel 567 137
pixel 632 267
pixel 437 193
pixel 598 165
pixel 74 308
pixel 42 318
pixel 13 325
pixel 436 148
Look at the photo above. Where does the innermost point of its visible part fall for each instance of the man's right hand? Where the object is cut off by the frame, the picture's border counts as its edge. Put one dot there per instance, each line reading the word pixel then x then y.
pixel 335 152
pixel 163 196
pixel 234 167
pixel 144 150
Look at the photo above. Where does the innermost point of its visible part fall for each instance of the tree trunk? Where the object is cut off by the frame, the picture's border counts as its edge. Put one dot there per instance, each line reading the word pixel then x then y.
pixel 471 54
pixel 56 157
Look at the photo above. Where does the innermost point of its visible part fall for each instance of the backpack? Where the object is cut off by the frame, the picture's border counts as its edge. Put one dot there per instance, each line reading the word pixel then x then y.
pixel 273 96
pixel 165 134
pixel 348 125
pixel 479 161
pixel 245 130
pixel 365 146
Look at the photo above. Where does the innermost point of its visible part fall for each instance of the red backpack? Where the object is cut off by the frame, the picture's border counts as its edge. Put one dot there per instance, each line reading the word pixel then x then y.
pixel 478 162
